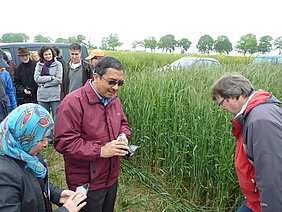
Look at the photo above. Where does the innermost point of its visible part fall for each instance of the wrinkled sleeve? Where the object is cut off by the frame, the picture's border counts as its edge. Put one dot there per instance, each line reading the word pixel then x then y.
pixel 58 79
pixel 10 92
pixel 37 75
pixel 18 81
pixel 10 190
pixel 265 144
pixel 68 136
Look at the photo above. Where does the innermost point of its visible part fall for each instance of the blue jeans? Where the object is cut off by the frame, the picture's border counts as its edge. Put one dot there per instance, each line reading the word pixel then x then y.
pixel 51 107
pixel 244 208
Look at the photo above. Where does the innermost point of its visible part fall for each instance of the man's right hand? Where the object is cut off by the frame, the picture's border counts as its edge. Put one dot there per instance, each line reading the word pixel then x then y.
pixel 114 148
pixel 27 91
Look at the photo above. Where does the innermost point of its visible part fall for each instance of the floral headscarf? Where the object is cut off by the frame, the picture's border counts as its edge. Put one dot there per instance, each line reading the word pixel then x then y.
pixel 20 132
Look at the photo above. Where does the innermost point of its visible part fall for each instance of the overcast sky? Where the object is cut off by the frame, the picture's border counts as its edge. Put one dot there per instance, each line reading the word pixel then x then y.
pixel 136 20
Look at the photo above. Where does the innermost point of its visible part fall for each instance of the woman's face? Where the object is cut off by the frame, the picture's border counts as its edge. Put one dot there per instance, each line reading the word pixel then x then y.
pixel 48 55
pixel 39 146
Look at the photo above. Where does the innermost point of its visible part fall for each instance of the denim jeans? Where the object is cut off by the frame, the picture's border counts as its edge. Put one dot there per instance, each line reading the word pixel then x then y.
pixel 244 208
pixel 51 107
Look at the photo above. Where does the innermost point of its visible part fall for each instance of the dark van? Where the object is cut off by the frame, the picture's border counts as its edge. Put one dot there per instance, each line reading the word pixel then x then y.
pixel 12 49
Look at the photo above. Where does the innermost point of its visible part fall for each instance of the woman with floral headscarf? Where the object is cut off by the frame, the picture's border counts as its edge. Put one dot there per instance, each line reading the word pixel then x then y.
pixel 24 183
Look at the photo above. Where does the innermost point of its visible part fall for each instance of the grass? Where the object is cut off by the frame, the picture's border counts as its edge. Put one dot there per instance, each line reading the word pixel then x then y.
pixel 185 159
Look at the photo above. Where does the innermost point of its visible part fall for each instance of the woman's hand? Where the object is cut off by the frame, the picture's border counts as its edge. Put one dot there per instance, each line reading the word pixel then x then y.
pixel 74 200
pixel 65 195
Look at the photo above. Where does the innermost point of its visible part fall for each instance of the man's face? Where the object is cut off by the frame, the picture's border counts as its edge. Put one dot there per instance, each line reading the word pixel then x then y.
pixel 231 104
pixel 103 84
pixel 75 56
pixel 1 70
pixel 94 60
pixel 24 58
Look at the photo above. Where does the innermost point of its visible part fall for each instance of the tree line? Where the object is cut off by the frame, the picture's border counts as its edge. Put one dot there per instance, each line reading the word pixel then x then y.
pixel 247 44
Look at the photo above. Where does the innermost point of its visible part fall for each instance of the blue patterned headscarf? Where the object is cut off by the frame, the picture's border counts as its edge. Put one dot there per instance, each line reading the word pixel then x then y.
pixel 20 132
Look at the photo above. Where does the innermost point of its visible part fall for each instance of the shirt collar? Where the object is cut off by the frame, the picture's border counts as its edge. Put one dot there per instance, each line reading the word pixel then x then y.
pixel 105 101
pixel 245 105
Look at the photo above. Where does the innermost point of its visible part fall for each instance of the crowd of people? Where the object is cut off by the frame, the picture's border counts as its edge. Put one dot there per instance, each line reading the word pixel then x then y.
pixel 79 99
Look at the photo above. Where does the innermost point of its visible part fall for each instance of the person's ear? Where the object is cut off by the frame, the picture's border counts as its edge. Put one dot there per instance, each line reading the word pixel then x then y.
pixel 95 77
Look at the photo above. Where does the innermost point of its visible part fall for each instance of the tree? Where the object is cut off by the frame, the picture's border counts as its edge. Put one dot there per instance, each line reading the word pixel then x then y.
pixel 278 44
pixel 14 37
pixel 222 44
pixel 61 40
pixel 104 44
pixel 167 43
pixel 247 44
pixel 205 44
pixel 135 44
pixel 40 39
pixel 265 44
pixel 110 42
pixel 150 43
pixel 184 44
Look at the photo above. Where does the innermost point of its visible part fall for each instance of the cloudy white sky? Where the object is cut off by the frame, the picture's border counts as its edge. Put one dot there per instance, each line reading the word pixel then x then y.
pixel 136 20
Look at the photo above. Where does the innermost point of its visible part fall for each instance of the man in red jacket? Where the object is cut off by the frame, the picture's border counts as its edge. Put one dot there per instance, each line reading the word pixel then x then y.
pixel 89 124
pixel 257 127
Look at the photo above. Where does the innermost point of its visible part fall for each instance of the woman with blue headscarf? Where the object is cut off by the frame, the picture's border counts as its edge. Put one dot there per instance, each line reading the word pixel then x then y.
pixel 24 183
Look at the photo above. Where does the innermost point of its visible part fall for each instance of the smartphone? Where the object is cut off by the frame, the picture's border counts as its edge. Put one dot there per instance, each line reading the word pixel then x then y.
pixel 83 189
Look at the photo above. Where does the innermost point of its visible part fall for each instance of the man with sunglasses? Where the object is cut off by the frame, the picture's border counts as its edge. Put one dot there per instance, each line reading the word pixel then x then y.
pixel 257 127
pixel 89 124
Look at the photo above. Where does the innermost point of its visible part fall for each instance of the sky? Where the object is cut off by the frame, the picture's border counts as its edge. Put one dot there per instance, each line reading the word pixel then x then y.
pixel 137 20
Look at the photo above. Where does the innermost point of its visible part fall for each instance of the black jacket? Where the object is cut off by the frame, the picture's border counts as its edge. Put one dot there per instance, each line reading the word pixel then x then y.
pixel 20 190
pixel 23 79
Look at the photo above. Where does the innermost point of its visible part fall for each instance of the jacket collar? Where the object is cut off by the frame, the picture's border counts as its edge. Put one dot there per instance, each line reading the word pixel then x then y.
pixel 238 122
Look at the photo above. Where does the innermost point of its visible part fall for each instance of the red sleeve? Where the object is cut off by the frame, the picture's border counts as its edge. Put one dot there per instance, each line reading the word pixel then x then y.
pixel 68 139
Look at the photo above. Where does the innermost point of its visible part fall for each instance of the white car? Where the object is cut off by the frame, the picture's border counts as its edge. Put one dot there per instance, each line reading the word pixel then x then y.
pixel 192 62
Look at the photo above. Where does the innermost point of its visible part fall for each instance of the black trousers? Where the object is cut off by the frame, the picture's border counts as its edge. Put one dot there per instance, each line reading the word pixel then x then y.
pixel 101 200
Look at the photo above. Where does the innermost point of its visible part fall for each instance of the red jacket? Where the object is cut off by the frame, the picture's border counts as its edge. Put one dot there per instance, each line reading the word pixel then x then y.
pixel 83 126
pixel 258 133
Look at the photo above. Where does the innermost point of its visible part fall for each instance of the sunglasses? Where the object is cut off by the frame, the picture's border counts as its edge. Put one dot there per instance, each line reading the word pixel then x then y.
pixel 113 82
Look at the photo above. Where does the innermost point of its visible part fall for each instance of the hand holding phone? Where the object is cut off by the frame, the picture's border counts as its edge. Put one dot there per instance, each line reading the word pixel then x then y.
pixel 83 189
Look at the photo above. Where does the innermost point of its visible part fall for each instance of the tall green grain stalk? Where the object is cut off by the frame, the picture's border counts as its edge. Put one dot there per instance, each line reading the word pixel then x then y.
pixel 183 136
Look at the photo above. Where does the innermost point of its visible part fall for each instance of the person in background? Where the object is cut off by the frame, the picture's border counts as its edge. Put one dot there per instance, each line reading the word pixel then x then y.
pixel 3 100
pixel 257 127
pixel 95 56
pixel 76 71
pixel 90 122
pixel 23 172
pixel 9 89
pixel 24 81
pixel 34 56
pixel 12 65
pixel 48 76
pixel 58 56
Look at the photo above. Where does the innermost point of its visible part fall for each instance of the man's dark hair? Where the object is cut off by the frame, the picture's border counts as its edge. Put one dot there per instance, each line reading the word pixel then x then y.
pixel 44 49
pixel 75 46
pixel 108 62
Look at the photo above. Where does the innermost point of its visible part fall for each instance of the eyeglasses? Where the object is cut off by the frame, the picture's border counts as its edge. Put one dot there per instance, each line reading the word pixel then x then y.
pixel 113 82
pixel 220 104
pixel 94 58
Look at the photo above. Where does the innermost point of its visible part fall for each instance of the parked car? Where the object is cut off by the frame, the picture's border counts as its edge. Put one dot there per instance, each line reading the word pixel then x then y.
pixel 185 62
pixel 267 59
pixel 12 49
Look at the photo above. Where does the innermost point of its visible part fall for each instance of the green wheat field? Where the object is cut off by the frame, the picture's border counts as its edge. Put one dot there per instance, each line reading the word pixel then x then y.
pixel 185 159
